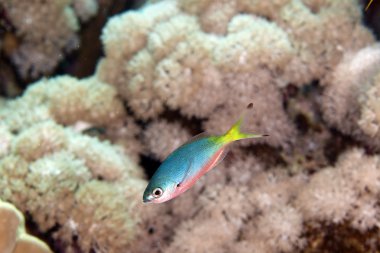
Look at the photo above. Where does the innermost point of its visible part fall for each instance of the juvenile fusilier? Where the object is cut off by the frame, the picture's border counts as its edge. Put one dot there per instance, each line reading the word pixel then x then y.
pixel 182 168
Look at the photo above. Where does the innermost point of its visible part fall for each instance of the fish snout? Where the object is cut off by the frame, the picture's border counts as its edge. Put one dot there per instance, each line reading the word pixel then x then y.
pixel 148 198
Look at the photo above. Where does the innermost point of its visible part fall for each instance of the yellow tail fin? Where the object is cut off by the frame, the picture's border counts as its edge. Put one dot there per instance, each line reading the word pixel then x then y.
pixel 235 133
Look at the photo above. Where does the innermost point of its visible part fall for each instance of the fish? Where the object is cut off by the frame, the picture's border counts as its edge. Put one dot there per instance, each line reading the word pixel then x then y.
pixel 185 165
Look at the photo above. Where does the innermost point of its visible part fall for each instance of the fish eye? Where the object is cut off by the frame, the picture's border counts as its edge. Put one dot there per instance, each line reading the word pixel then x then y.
pixel 157 192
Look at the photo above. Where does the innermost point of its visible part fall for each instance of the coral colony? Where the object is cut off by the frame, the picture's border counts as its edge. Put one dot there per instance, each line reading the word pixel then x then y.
pixel 77 153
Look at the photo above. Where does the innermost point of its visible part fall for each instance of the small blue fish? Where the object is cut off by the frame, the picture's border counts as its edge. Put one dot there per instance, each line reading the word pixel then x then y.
pixel 184 166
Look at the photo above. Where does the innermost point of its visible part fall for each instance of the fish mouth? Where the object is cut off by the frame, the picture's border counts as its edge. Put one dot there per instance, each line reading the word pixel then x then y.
pixel 148 199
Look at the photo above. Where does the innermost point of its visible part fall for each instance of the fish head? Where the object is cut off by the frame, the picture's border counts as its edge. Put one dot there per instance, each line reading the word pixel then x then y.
pixel 159 190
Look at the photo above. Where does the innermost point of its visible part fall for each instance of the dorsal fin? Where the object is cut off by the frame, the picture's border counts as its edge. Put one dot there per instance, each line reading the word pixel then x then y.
pixel 196 137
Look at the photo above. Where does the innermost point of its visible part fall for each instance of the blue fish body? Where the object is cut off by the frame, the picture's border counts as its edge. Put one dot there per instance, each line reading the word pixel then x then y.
pixel 188 160
pixel 184 166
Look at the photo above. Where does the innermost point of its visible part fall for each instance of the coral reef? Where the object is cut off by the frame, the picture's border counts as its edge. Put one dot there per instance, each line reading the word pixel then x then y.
pixel 56 173
pixel 351 99
pixel 13 237
pixel 44 100
pixel 268 212
pixel 172 135
pixel 73 151
pixel 195 56
pixel 45 31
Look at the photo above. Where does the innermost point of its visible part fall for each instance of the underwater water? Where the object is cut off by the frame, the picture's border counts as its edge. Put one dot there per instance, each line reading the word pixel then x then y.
pixel 96 95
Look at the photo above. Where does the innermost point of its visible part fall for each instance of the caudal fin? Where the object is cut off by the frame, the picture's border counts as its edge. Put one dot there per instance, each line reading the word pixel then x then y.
pixel 235 133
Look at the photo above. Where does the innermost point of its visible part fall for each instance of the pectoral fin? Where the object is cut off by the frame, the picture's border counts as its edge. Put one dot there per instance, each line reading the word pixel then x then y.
pixel 186 176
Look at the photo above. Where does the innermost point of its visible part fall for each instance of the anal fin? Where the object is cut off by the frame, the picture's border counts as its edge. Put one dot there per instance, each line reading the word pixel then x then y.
pixel 217 158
